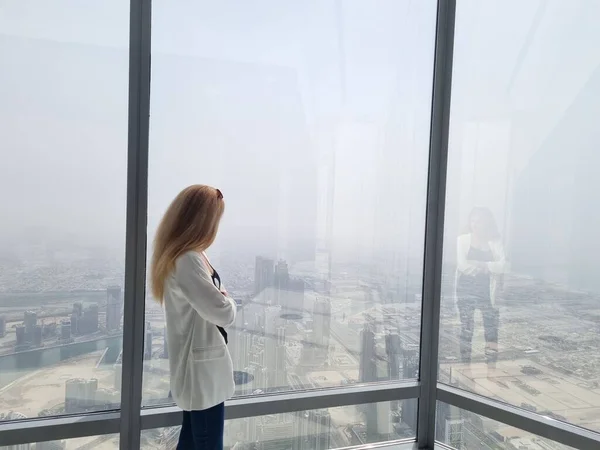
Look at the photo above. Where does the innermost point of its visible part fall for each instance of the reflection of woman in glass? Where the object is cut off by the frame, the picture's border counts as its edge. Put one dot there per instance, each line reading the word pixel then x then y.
pixel 480 264
pixel 197 309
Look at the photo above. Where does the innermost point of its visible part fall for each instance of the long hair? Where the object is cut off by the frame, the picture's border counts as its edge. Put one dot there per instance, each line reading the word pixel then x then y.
pixel 190 223
pixel 489 223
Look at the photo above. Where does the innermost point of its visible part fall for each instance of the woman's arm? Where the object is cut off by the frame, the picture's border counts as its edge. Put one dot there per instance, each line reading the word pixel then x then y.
pixel 214 306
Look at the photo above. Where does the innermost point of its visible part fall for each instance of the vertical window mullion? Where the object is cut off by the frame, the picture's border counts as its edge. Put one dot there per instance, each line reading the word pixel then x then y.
pixel 434 225
pixel 137 207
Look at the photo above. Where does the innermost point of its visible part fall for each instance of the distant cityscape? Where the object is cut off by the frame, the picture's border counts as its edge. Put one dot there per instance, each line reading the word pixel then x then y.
pixel 300 328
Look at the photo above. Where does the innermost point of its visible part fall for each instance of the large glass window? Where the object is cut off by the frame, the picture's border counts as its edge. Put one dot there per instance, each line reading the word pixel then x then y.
pixel 464 430
pixel 520 308
pixel 63 147
pixel 312 118
pixel 318 429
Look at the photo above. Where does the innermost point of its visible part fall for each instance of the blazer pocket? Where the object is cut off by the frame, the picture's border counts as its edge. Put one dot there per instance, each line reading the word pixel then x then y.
pixel 208 353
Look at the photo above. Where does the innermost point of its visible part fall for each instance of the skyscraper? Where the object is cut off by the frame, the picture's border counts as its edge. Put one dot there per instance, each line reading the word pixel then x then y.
pixel 263 274
pixel 2 326
pixel 410 369
pixel 367 371
pixel 165 354
pixel 87 323
pixel 281 275
pixel 30 322
pixel 65 331
pixel 393 350
pixel 322 322
pixel 312 430
pixel 113 308
pixel 148 341
pixel 20 336
pixel 37 336
pixel 321 424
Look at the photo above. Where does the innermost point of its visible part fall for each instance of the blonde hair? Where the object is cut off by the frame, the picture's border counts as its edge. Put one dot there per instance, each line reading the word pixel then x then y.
pixel 190 223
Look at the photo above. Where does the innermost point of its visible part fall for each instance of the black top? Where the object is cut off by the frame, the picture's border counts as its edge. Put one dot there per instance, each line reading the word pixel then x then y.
pixel 217 282
pixel 477 286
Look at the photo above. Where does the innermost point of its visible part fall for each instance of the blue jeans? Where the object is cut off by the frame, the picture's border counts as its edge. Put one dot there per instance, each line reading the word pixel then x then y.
pixel 202 430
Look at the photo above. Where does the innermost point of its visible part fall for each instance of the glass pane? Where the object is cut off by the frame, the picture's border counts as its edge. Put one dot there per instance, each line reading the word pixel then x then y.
pixel 521 296
pixel 464 430
pixel 312 118
pixel 317 429
pixel 63 125
pixel 104 442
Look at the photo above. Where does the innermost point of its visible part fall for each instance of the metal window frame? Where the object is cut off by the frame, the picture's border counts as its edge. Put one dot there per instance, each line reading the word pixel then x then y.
pixel 531 422
pixel 132 418
pixel 253 406
pixel 136 233
pixel 434 220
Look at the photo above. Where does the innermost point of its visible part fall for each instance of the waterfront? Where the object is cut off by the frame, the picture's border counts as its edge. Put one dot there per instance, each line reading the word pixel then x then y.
pixel 16 365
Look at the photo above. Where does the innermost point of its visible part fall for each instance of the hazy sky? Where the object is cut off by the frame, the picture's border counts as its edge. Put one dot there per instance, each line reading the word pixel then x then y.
pixel 304 113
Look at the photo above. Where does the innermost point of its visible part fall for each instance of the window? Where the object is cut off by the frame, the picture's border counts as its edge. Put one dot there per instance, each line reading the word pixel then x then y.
pixel 391 170
pixel 63 128
pixel 461 429
pixel 320 148
pixel 523 328
pixel 319 429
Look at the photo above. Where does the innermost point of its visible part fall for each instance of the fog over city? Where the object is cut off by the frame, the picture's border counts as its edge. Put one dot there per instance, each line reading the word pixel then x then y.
pixel 313 119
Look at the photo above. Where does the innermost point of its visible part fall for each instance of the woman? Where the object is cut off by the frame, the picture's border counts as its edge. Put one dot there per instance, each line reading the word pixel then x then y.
pixel 481 263
pixel 197 309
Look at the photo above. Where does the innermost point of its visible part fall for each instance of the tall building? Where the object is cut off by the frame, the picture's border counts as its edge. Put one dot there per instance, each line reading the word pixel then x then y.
pixel 449 425
pixel 367 370
pixel 86 320
pixel 165 354
pixel 74 394
pixel 30 322
pixel 118 372
pixel 65 330
pixel 80 394
pixel 274 347
pixel 275 432
pixel 367 373
pixel 78 309
pixel 76 316
pixel 377 415
pixel 278 369
pixel 2 326
pixel 263 274
pixel 73 322
pixel 320 420
pixel 410 369
pixel 322 322
pixel 20 336
pixel 242 347
pixel 37 336
pixel 114 305
pixel 393 350
pixel 148 341
pixel 281 277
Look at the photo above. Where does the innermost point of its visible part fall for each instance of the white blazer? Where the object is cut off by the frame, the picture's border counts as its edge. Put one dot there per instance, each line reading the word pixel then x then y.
pixel 497 267
pixel 199 361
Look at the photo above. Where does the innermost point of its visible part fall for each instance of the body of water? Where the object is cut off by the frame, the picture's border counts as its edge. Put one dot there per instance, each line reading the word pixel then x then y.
pixel 15 365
